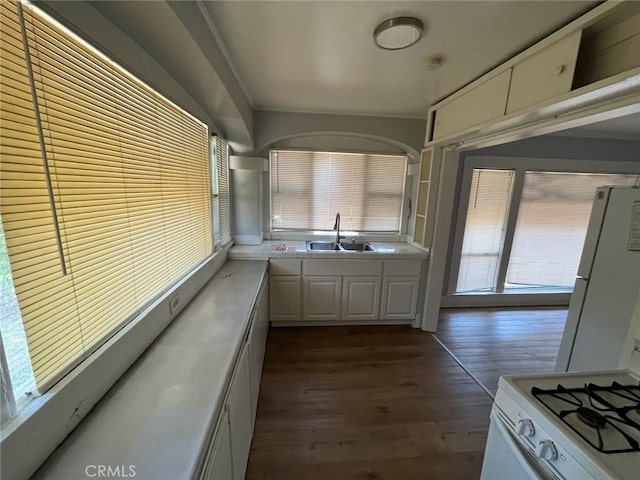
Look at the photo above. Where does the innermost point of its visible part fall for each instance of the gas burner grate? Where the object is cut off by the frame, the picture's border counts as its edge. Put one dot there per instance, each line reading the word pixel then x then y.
pixel 606 417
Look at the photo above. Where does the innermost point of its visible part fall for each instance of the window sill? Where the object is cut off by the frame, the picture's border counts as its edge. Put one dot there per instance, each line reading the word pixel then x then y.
pixel 310 235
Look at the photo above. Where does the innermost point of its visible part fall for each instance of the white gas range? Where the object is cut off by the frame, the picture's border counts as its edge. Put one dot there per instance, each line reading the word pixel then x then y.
pixel 565 426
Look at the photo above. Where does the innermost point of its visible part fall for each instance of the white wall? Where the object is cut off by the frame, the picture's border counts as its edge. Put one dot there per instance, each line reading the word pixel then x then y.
pixel 337 143
pixel 246 202
pixel 406 134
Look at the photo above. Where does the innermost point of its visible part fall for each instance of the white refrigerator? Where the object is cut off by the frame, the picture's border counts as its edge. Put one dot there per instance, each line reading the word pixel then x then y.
pixel 607 286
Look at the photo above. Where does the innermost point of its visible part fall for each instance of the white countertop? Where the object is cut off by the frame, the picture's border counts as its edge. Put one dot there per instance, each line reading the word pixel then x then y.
pixel 298 249
pixel 159 416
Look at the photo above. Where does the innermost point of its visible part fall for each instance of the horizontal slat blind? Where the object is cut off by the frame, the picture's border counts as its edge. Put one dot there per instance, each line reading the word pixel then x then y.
pixel 309 188
pixel 45 294
pixel 223 202
pixel 552 224
pixel 489 200
pixel 130 176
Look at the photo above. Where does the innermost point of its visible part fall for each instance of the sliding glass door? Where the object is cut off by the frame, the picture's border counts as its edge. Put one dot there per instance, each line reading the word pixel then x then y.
pixel 489 200
pixel 523 230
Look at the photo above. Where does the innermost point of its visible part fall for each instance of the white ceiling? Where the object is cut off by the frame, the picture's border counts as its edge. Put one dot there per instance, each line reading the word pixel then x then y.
pixel 319 56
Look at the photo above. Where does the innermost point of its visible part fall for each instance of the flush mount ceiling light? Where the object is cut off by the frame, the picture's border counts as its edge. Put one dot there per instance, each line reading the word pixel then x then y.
pixel 398 33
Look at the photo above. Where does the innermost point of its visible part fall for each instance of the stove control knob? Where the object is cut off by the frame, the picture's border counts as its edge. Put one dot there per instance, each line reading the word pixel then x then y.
pixel 525 428
pixel 547 450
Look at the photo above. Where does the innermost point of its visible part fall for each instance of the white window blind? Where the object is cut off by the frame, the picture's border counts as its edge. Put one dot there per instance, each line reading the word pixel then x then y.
pixel 309 188
pixel 484 229
pixel 552 225
pixel 120 171
pixel 222 204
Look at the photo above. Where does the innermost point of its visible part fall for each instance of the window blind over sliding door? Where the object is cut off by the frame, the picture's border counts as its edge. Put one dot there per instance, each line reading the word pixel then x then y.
pixel 309 188
pixel 130 181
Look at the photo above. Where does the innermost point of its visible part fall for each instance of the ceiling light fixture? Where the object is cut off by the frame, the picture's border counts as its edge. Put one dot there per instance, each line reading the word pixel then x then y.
pixel 398 33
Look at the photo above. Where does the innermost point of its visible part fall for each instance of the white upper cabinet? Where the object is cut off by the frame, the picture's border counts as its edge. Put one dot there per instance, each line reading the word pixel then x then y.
pixel 545 74
pixel 582 63
pixel 478 105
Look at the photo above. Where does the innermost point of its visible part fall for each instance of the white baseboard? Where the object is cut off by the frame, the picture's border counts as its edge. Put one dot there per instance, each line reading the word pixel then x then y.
pixel 337 323
pixel 248 239
pixel 506 300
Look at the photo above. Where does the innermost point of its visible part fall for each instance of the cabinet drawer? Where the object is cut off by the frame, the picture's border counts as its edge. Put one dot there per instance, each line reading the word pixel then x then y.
pixel 544 75
pixel 402 267
pixel 284 266
pixel 483 103
pixel 342 267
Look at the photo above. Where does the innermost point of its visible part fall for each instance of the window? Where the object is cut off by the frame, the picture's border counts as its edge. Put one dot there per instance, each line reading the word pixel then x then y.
pixel 524 229
pixel 484 229
pixel 220 191
pixel 551 227
pixel 105 196
pixel 309 188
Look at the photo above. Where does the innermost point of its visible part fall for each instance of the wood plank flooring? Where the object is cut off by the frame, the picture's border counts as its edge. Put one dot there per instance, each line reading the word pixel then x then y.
pixel 494 342
pixel 370 403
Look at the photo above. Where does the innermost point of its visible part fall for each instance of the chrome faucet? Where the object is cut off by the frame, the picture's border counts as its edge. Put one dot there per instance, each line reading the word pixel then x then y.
pixel 336 227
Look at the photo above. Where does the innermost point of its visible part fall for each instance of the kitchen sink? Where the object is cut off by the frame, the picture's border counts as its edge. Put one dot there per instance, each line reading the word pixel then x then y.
pixel 341 247
pixel 323 246
pixel 357 247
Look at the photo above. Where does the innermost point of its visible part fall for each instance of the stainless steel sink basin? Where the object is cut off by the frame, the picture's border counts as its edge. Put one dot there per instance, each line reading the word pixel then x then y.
pixel 340 247
pixel 357 247
pixel 323 246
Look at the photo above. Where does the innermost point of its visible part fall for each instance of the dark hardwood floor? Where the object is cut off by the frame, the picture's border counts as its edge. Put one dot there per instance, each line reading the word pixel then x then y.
pixel 370 403
pixel 499 341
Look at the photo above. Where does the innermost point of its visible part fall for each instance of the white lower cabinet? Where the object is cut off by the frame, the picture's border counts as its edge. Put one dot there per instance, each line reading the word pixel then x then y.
pixel 240 422
pixel 399 297
pixel 322 298
pixel 219 466
pixel 360 298
pixel 257 344
pixel 285 298
pixel 347 290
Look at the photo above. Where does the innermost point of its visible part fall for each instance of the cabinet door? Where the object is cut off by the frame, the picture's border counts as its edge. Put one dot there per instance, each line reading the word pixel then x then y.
pixel 285 298
pixel 239 406
pixel 218 465
pixel 545 74
pixel 360 298
pixel 399 298
pixel 257 345
pixel 322 298
pixel 480 104
pixel 255 365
